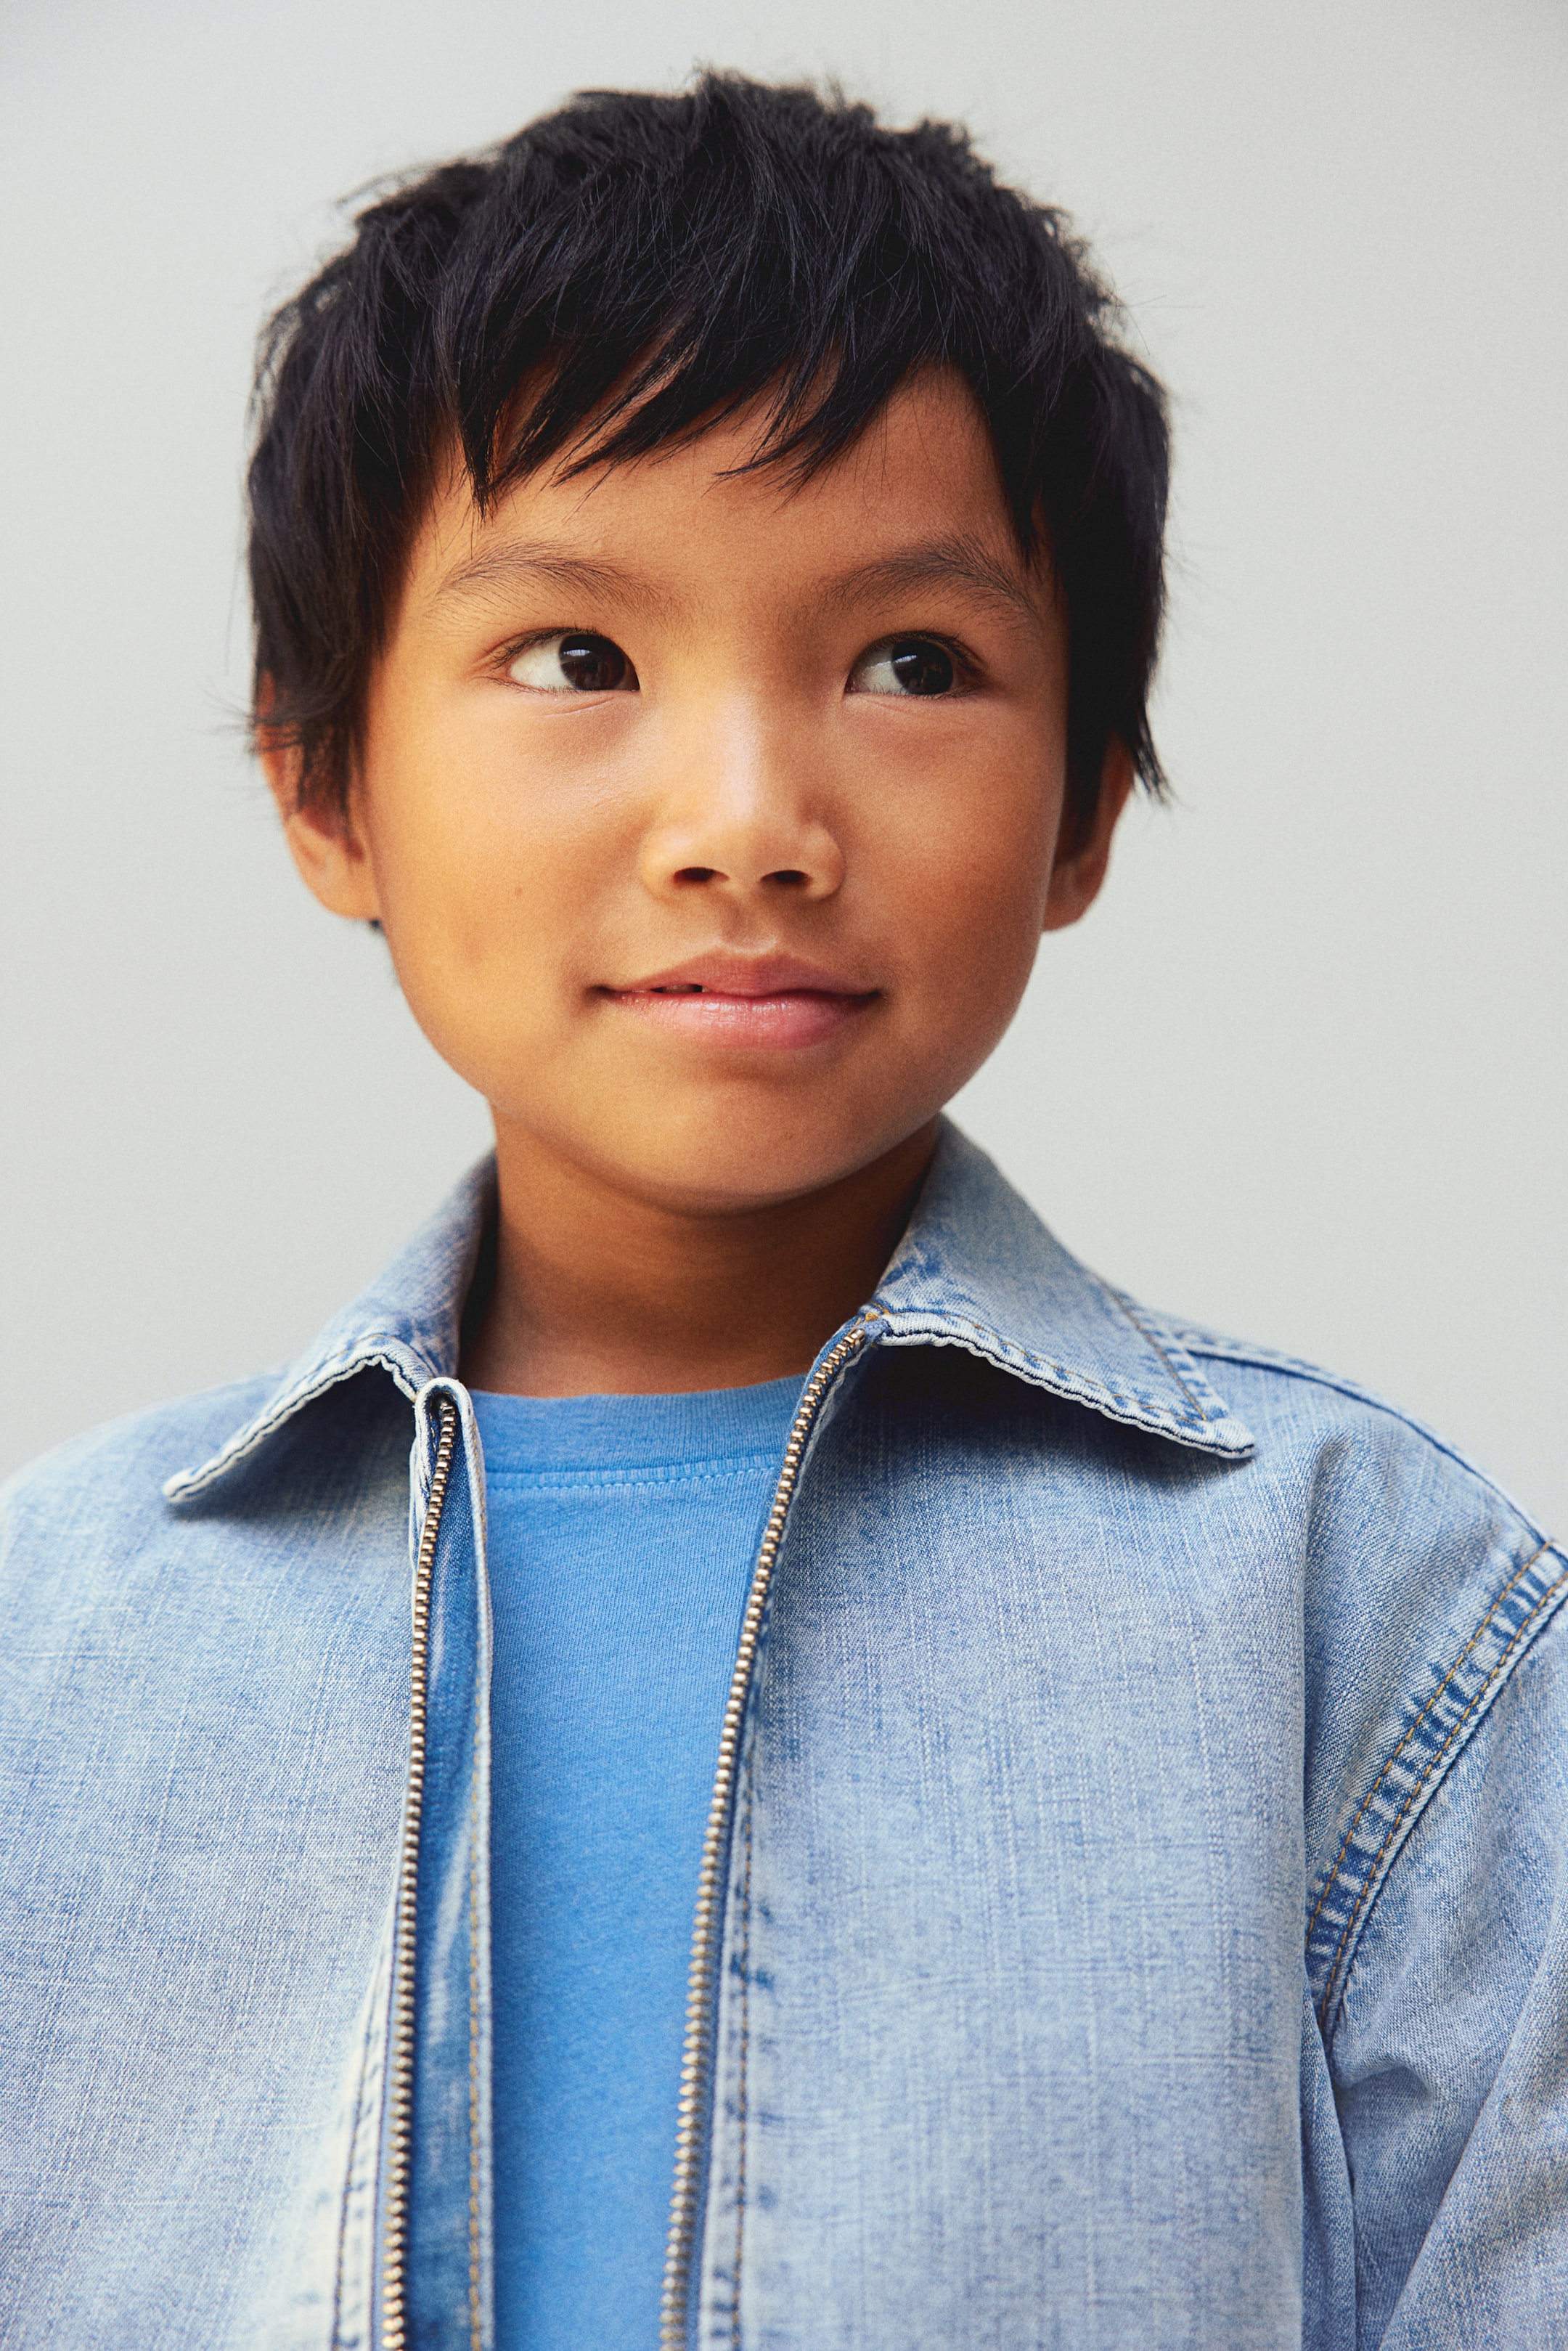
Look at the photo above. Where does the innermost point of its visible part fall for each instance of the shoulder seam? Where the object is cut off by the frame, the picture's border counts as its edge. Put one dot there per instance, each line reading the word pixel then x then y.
pixel 1294 1368
pixel 1260 1358
pixel 1406 1782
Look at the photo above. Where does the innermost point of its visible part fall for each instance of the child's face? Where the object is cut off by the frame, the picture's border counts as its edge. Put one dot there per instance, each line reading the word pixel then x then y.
pixel 712 905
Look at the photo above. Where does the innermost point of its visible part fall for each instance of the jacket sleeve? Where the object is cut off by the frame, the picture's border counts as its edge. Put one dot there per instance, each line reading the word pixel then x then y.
pixel 1448 2044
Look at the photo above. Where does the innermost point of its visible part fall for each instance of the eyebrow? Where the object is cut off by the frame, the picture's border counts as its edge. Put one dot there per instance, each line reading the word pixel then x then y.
pixel 521 561
pixel 941 563
pixel 938 563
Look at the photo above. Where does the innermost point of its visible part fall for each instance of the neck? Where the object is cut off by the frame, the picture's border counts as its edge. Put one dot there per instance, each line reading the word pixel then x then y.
pixel 598 1291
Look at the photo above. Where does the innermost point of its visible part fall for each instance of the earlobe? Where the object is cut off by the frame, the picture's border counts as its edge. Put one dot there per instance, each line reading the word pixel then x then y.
pixel 323 839
pixel 1081 866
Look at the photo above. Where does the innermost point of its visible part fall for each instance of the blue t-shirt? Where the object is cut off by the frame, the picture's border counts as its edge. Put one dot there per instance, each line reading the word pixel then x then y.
pixel 623 1530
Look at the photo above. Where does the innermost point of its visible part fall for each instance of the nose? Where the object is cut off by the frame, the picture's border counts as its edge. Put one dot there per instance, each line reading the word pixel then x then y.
pixel 737 815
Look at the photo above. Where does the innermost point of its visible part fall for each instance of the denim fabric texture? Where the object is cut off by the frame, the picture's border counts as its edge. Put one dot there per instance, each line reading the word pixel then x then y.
pixel 1145 1919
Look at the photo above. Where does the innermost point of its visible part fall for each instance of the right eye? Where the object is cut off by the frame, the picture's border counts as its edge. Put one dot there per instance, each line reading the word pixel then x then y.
pixel 905 666
pixel 573 662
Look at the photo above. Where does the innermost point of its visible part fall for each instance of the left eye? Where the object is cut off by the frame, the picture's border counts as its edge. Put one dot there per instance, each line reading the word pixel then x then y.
pixel 576 662
pixel 905 666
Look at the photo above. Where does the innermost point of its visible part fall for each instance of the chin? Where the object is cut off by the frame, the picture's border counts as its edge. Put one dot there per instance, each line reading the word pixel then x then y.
pixel 728 1164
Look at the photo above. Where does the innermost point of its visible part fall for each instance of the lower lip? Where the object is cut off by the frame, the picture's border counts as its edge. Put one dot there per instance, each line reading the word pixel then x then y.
pixel 794 1018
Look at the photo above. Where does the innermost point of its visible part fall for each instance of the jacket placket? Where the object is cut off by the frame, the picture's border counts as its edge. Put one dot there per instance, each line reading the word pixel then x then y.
pixel 430 2266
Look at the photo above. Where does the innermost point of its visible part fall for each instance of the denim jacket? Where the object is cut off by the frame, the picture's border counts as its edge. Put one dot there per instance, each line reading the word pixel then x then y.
pixel 1133 1911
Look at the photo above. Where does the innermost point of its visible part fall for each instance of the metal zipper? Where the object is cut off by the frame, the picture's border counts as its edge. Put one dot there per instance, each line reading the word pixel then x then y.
pixel 399 2068
pixel 695 2055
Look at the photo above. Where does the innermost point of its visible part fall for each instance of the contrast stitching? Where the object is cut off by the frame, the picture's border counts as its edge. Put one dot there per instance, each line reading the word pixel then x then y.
pixel 1404 1810
pixel 1146 1334
pixel 1476 1636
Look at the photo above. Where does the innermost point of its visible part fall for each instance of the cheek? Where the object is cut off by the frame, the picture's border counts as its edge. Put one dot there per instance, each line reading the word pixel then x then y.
pixel 968 870
pixel 485 857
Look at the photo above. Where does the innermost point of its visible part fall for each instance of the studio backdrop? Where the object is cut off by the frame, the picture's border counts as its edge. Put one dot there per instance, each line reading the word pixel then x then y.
pixel 1299 1076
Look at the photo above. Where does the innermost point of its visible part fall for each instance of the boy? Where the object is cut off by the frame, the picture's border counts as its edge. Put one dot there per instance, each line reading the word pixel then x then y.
pixel 1047 1824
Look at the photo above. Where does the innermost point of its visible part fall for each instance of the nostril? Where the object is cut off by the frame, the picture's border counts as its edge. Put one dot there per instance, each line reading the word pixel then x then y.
pixel 697 874
pixel 788 877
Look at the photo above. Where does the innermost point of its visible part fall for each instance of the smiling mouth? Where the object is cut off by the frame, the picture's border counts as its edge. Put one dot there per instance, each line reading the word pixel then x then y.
pixel 772 1003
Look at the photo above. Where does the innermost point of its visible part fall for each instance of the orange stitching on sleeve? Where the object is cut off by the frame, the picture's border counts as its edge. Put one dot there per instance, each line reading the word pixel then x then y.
pixel 1476 1636
pixel 1398 1820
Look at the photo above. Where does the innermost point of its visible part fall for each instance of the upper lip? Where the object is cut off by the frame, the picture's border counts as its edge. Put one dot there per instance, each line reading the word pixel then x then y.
pixel 723 972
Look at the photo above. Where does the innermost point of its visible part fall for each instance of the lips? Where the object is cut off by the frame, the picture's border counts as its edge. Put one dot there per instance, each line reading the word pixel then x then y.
pixel 725 1000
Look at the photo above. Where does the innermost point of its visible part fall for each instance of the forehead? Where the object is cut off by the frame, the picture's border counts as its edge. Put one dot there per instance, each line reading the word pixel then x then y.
pixel 923 473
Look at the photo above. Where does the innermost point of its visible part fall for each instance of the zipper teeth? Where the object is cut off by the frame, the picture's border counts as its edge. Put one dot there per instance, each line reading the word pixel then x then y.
pixel 400 2092
pixel 695 2056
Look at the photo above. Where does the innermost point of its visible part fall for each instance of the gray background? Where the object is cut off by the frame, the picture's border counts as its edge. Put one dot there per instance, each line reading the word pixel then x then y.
pixel 1300 1075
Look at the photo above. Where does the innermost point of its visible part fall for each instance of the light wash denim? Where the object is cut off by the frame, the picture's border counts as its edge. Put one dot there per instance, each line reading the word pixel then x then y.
pixel 1145 1914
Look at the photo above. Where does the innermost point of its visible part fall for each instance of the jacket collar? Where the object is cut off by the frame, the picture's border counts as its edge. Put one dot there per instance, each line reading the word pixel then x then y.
pixel 407 1323
pixel 975 1269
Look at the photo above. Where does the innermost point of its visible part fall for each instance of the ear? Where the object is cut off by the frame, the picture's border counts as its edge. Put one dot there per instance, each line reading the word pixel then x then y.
pixel 1083 851
pixel 324 840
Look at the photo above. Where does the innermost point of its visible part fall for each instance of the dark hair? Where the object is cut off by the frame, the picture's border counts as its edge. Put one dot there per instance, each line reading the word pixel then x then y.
pixel 652 264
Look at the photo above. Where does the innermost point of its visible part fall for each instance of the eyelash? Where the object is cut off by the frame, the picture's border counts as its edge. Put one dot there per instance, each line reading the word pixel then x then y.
pixel 969 670
pixel 506 654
